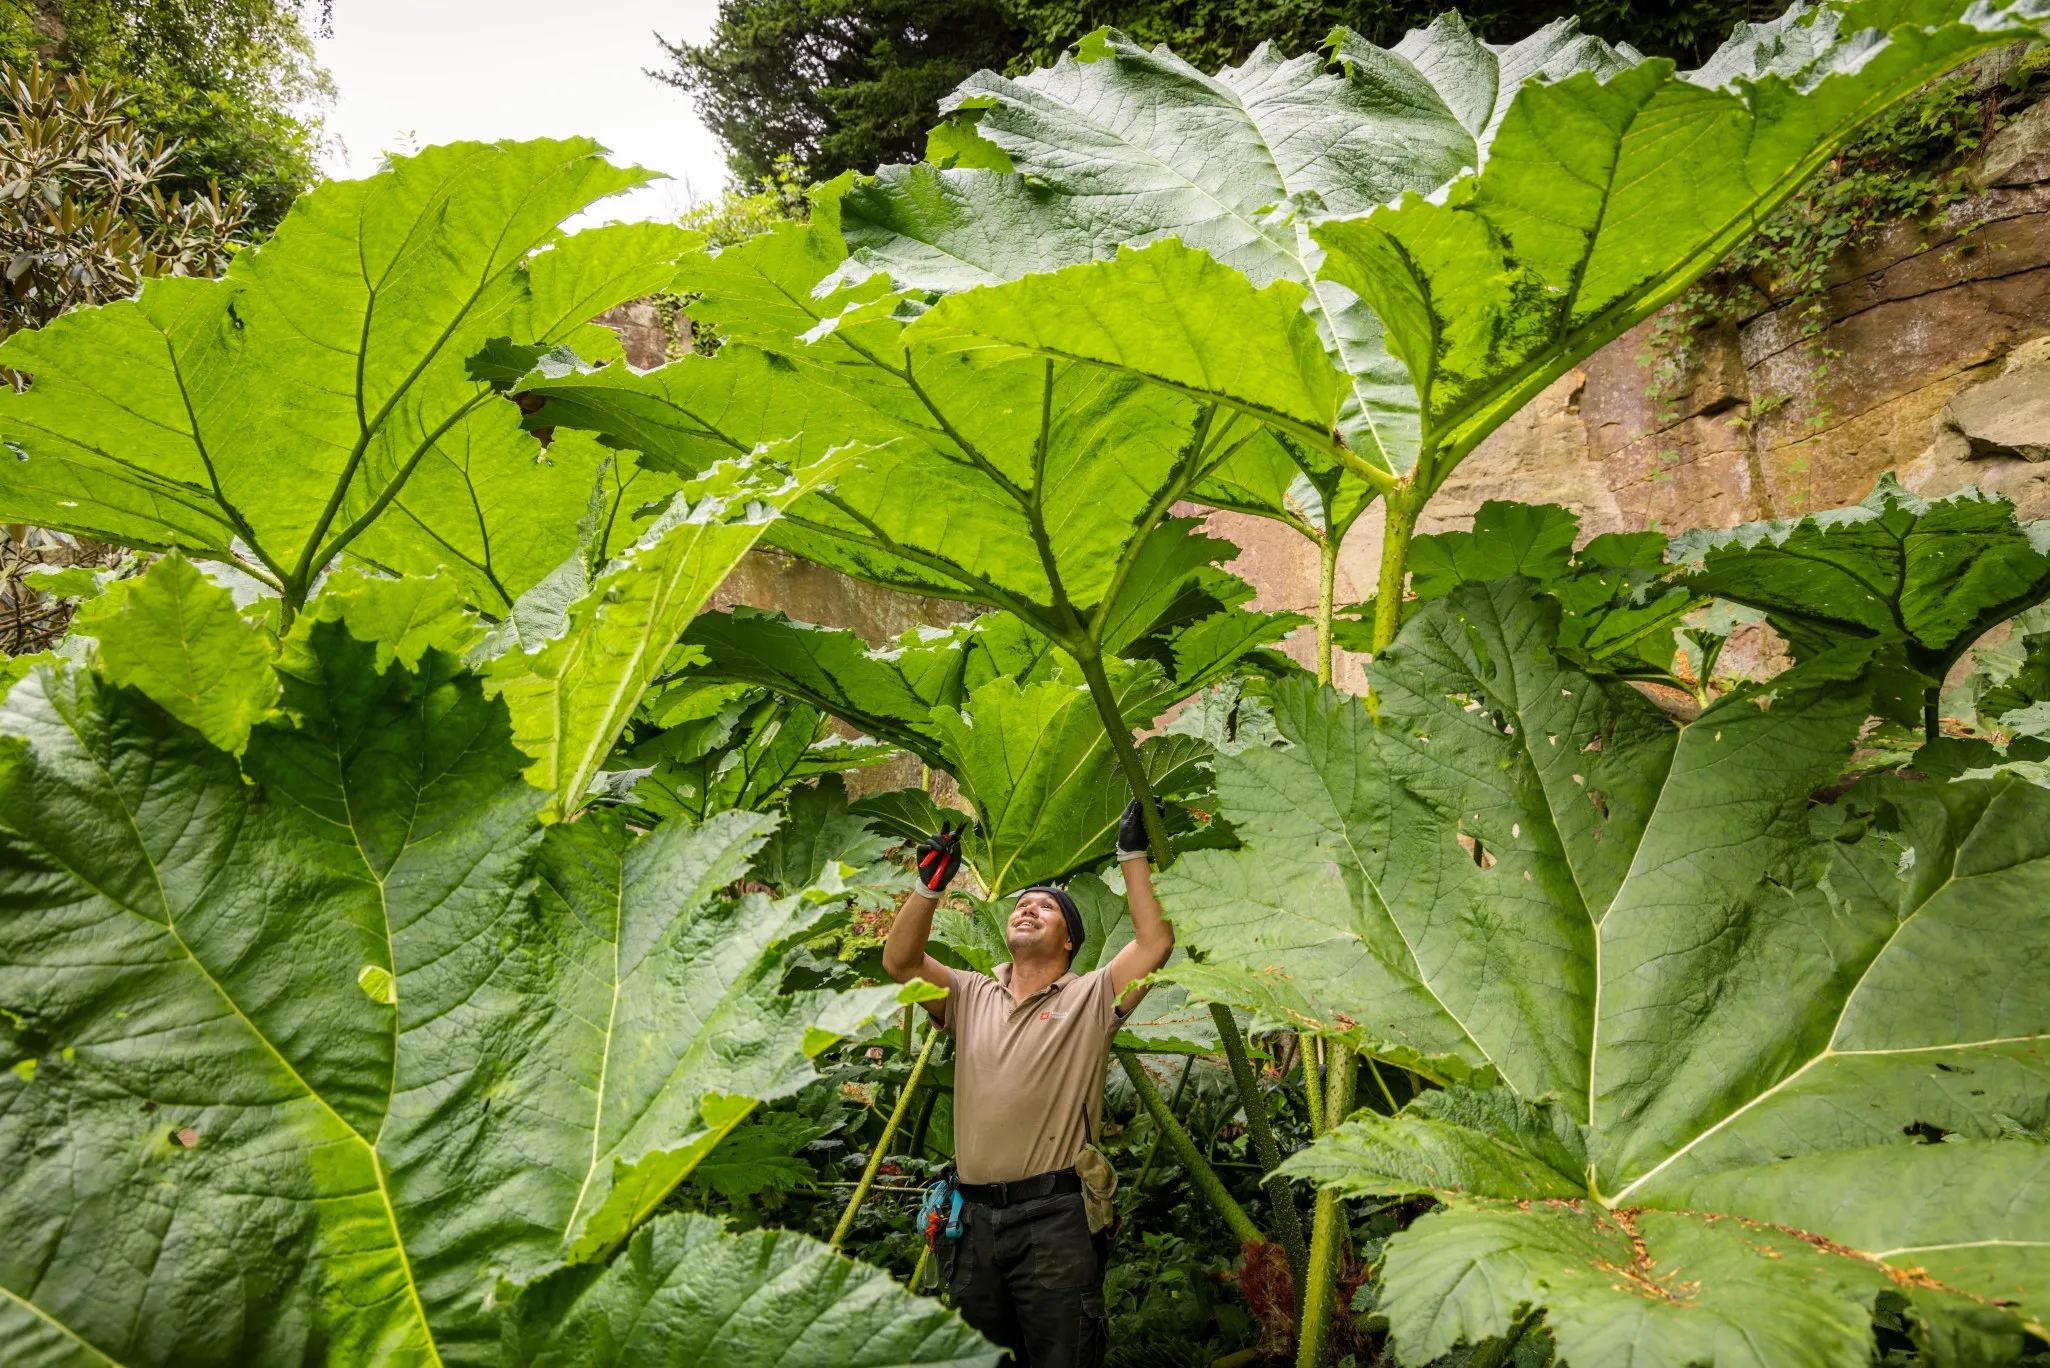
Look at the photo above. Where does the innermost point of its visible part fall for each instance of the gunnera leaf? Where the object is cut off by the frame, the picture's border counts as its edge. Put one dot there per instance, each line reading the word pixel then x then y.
pixel 320 397
pixel 1703 997
pixel 228 1149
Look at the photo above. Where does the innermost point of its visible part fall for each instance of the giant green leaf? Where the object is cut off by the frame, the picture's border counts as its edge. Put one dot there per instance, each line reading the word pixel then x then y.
pixel 1035 763
pixel 177 637
pixel 306 1054
pixel 1924 577
pixel 1466 232
pixel 572 691
pixel 1618 612
pixel 1603 195
pixel 1664 1289
pixel 1687 979
pixel 320 397
pixel 747 754
pixel 889 692
pixel 1118 144
pixel 1034 484
pixel 686 1296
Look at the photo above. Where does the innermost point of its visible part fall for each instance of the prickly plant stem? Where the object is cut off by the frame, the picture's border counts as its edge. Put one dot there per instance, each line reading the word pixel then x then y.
pixel 882 1146
pixel 1174 1108
pixel 1128 755
pixel 1313 1092
pixel 1327 593
pixel 1200 1173
pixel 1288 1226
pixel 1326 1234
pixel 1403 506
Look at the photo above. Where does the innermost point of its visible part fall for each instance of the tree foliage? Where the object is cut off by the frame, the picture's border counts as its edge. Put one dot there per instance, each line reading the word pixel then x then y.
pixel 231 88
pixel 830 86
pixel 85 217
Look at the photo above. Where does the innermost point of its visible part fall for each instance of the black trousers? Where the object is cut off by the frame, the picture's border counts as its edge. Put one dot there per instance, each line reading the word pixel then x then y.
pixel 1030 1277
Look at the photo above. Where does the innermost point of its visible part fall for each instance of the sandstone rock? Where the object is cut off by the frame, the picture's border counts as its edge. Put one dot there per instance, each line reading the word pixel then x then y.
pixel 1696 473
pixel 639 325
pixel 2008 416
pixel 1996 435
pixel 1948 467
pixel 1836 465
pixel 2018 154
pixel 771 579
pixel 1541 455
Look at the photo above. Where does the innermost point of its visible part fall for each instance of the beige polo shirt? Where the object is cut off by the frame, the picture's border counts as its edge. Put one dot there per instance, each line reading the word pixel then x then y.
pixel 1028 1076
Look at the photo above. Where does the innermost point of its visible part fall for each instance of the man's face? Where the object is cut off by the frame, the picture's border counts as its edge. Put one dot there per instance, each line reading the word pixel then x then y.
pixel 1036 926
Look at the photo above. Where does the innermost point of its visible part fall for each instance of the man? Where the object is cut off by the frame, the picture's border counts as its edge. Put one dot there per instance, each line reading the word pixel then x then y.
pixel 1031 1045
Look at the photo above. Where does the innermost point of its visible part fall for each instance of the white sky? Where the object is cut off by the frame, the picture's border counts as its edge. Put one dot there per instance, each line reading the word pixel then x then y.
pixel 410 73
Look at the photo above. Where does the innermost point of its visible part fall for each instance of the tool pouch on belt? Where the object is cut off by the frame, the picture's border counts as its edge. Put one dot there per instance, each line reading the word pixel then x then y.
pixel 1099 1185
pixel 939 1215
pixel 939 1218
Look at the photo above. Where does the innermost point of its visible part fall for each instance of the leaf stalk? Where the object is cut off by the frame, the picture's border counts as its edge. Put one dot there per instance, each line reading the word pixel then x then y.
pixel 1200 1173
pixel 1327 585
pixel 882 1146
pixel 1260 1126
pixel 1327 1234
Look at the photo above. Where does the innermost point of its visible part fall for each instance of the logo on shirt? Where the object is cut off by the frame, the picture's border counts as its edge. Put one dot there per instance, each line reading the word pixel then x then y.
pixel 1053 1016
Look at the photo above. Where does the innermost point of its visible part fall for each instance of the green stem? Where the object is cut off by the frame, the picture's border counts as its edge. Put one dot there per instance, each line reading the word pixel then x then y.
pixel 1174 1108
pixel 1313 1090
pixel 875 1156
pixel 1327 587
pixel 1287 1224
pixel 1200 1173
pixel 1388 1096
pixel 1403 507
pixel 928 1102
pixel 1326 1234
pixel 1121 745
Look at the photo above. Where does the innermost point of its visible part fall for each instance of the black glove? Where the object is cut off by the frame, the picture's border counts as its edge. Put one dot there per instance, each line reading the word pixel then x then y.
pixel 938 859
pixel 1132 838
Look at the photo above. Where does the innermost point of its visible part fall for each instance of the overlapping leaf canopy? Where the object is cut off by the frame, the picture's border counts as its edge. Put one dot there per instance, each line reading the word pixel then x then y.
pixel 1920 579
pixel 1617 606
pixel 887 692
pixel 1029 483
pixel 305 1053
pixel 1118 145
pixel 1659 977
pixel 1465 233
pixel 586 654
pixel 327 396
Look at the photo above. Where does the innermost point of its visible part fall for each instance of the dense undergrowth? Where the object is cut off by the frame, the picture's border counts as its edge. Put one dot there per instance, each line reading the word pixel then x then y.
pixel 427 935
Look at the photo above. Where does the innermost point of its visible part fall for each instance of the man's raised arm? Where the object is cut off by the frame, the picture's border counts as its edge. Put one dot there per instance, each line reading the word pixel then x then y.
pixel 1152 934
pixel 904 957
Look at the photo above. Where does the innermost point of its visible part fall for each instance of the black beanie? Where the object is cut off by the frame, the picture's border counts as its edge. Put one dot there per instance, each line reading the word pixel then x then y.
pixel 1069 913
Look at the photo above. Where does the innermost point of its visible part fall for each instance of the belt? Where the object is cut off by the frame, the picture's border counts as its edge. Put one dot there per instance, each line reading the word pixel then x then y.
pixel 1023 1189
